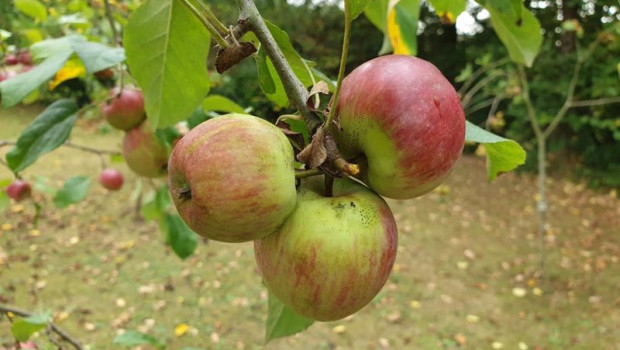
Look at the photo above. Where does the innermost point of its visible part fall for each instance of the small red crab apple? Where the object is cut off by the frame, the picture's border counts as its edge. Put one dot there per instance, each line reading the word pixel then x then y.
pixel 404 119
pixel 19 190
pixel 111 179
pixel 144 153
pixel 124 111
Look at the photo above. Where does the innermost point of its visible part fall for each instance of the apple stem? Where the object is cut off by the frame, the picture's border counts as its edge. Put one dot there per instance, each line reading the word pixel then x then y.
pixel 329 185
pixel 300 174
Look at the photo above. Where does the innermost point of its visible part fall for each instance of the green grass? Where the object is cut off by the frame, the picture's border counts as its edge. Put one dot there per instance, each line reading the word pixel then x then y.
pixel 462 250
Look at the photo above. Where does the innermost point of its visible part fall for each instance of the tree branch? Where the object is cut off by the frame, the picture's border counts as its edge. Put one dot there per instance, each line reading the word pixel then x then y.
pixel 108 15
pixel 70 144
pixel 61 333
pixel 597 102
pixel 295 90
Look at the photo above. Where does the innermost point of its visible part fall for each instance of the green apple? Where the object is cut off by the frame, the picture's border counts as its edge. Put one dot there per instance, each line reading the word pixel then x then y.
pixel 144 153
pixel 333 254
pixel 403 121
pixel 232 178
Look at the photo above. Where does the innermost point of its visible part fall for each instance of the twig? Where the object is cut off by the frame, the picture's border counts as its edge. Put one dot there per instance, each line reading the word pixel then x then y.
pixel 108 15
pixel 597 102
pixel 69 144
pixel 479 72
pixel 300 174
pixel 214 32
pixel 295 90
pixel 343 63
pixel 61 333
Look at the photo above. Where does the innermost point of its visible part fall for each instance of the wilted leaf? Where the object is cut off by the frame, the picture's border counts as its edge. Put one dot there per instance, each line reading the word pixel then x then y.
pixel 315 153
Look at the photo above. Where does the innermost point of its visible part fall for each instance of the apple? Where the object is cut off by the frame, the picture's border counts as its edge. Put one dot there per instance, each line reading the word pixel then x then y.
pixel 403 121
pixel 232 178
pixel 6 75
pixel 24 58
pixel 144 152
pixel 19 190
pixel 111 179
pixel 333 254
pixel 11 60
pixel 124 111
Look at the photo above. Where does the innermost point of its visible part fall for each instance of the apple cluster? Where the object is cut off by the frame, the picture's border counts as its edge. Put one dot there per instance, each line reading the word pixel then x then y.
pixel 144 153
pixel 325 249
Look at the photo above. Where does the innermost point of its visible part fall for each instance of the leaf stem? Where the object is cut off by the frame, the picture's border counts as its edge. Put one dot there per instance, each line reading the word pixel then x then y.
pixel 214 32
pixel 210 16
pixel 343 62
pixel 300 174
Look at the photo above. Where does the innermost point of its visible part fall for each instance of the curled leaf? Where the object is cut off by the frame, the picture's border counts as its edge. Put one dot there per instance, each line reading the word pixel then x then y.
pixel 232 55
pixel 315 153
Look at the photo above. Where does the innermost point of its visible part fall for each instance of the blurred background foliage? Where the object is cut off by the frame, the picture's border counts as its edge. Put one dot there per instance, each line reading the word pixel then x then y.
pixel 587 142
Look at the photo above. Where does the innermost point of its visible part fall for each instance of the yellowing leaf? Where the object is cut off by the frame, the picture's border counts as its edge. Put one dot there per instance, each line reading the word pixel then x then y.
pixel 395 36
pixel 72 69
pixel 181 329
pixel 402 26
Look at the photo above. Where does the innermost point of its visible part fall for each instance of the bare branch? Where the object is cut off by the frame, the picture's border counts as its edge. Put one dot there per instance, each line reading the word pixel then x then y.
pixel 597 102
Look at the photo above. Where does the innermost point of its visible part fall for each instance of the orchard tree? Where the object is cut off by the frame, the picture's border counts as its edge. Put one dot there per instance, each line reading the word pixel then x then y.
pixel 307 190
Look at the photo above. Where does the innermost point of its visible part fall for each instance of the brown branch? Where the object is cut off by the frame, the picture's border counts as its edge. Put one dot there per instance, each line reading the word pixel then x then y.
pixel 108 15
pixel 61 333
pixel 597 102
pixel 69 144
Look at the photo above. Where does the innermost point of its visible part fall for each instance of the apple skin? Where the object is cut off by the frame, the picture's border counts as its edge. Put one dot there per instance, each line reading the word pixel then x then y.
pixel 403 117
pixel 333 254
pixel 19 190
pixel 11 60
pixel 111 179
pixel 232 178
pixel 126 111
pixel 144 153
pixel 25 58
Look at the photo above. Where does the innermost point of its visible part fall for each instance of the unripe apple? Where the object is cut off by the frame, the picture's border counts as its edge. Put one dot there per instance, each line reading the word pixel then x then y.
pixel 19 190
pixel 333 254
pixel 144 152
pixel 124 111
pixel 111 179
pixel 232 178
pixel 403 119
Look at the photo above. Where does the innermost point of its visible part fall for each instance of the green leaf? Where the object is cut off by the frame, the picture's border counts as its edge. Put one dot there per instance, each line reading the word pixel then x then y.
pixel 167 49
pixel 134 338
pixel 221 104
pixel 32 8
pixel 518 30
pixel 182 239
pixel 23 328
pixel 55 53
pixel 46 133
pixel 357 7
pixel 503 155
pixel 74 191
pixel 282 321
pixel 376 12
pixel 449 9
pixel 96 57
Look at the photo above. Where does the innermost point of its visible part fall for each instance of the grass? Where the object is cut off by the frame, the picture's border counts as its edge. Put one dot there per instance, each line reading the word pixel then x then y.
pixel 467 254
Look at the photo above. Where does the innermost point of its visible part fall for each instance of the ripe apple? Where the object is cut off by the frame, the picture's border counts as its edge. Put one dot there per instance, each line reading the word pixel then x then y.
pixel 232 178
pixel 333 254
pixel 19 190
pixel 144 152
pixel 24 58
pixel 11 60
pixel 124 111
pixel 6 75
pixel 403 119
pixel 111 179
